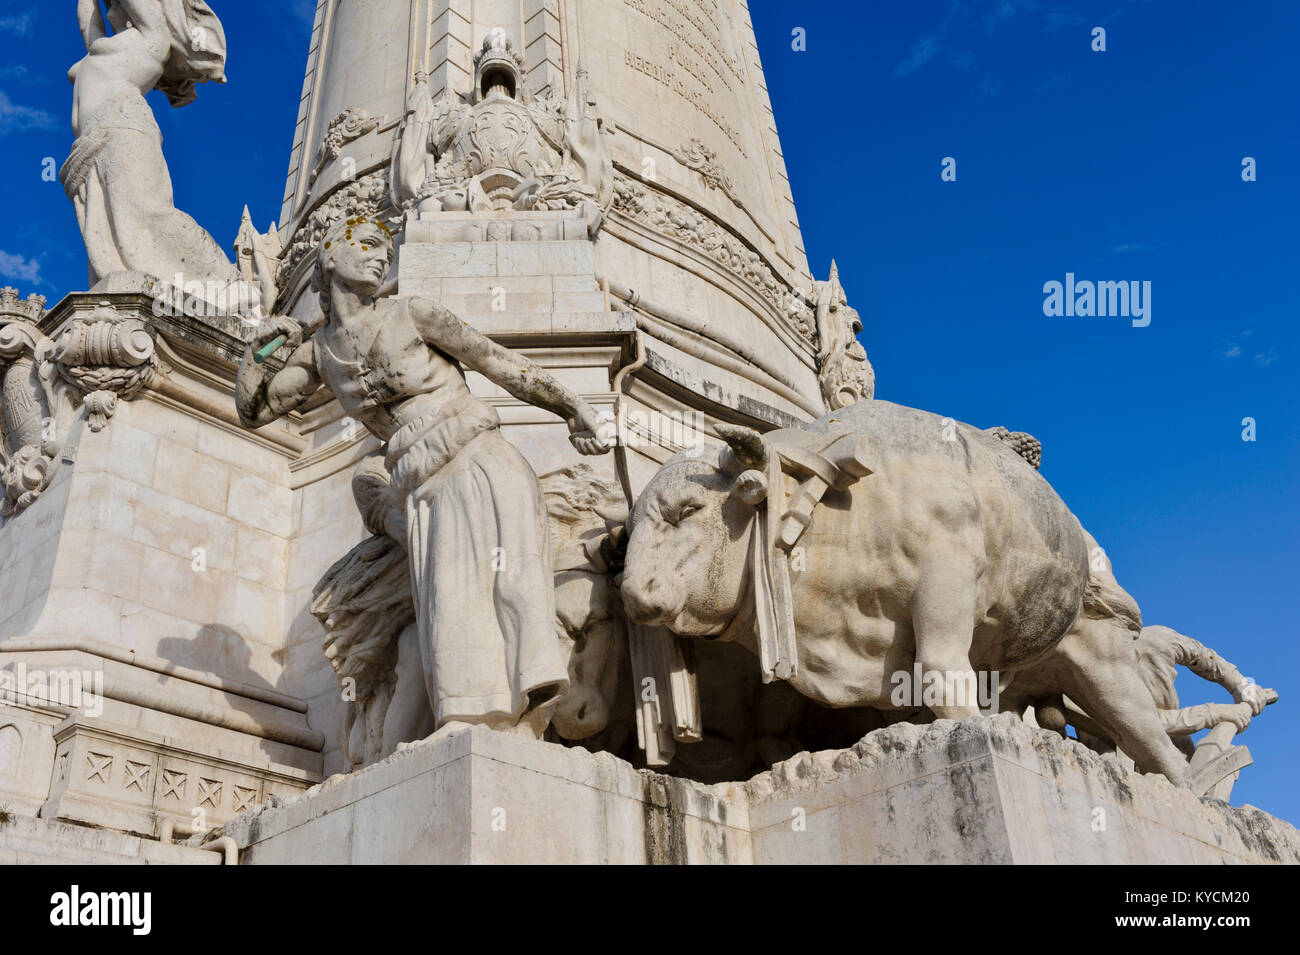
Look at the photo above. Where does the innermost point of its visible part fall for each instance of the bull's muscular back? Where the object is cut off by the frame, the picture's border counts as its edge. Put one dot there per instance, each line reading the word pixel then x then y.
pixel 944 500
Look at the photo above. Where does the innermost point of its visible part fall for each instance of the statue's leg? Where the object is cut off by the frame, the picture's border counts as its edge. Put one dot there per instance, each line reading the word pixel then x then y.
pixel 1099 672
pixel 943 620
pixel 409 715
pixel 149 233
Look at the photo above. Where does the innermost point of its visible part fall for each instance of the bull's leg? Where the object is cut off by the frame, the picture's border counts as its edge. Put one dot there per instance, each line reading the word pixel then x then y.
pixel 1100 674
pixel 943 622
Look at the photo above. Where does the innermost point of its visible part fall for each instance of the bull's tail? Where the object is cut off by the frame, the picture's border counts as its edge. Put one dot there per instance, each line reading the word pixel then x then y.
pixel 1105 599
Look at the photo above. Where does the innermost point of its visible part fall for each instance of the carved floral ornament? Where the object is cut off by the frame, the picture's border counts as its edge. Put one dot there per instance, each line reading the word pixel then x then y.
pixel 93 363
pixel 699 157
pixel 349 125
pixel 686 224
pixel 365 198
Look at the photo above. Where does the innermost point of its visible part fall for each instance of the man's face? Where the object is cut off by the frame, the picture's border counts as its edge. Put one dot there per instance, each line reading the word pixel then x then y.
pixel 361 258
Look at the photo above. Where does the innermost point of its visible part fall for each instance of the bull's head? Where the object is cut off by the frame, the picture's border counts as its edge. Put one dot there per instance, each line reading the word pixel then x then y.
pixel 689 537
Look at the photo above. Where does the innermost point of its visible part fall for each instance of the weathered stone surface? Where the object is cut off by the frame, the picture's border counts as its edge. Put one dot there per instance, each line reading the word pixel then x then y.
pixel 987 790
pixel 28 841
pixel 477 796
pixel 993 789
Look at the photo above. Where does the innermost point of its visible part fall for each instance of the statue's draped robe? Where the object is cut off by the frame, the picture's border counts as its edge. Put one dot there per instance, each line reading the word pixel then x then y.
pixel 116 175
pixel 477 533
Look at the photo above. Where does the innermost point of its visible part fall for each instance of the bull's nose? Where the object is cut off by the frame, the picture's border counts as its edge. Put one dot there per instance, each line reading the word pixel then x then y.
pixel 649 601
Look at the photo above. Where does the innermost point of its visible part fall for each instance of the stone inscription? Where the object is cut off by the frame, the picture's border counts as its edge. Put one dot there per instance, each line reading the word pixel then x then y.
pixel 697 67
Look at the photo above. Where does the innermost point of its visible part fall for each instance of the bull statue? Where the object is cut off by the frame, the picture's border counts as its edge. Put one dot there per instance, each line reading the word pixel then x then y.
pixel 873 541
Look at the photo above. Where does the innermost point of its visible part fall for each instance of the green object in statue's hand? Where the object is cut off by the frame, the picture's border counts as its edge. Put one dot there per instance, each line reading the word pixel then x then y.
pixel 269 349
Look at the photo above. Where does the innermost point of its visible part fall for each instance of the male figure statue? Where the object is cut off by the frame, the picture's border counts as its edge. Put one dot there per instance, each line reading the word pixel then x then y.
pixel 465 501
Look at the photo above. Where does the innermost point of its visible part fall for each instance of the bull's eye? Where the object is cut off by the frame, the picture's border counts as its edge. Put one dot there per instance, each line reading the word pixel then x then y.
pixel 683 512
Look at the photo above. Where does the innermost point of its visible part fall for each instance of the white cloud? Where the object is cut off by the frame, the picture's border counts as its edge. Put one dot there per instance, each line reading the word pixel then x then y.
pixel 305 10
pixel 19 24
pixel 922 53
pixel 20 268
pixel 963 14
pixel 17 119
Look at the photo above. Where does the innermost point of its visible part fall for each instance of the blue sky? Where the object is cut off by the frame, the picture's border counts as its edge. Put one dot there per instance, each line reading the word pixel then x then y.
pixel 1122 165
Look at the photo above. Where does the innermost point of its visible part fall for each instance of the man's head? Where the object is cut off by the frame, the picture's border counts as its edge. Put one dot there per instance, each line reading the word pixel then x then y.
pixel 357 253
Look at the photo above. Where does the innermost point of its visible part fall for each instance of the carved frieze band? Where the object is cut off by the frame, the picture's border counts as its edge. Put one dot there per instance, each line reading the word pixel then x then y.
pixel 688 225
pixel 178 788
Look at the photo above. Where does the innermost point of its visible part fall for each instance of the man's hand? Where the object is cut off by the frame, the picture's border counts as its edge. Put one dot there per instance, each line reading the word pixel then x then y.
pixel 268 330
pixel 589 432
pixel 1238 714
pixel 1252 694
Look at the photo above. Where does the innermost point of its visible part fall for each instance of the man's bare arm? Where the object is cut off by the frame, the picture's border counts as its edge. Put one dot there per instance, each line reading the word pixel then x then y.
pixel 148 18
pixel 524 379
pixel 91 20
pixel 1205 663
pixel 261 399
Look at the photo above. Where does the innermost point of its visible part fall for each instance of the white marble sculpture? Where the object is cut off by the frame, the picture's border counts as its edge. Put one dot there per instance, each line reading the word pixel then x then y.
pixel 1161 650
pixel 116 175
pixel 366 604
pixel 876 539
pixel 475 522
pixel 258 259
pixel 500 148
pixel 845 374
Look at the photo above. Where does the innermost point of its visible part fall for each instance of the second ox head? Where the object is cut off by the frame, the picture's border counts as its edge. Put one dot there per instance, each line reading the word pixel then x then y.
pixel 689 537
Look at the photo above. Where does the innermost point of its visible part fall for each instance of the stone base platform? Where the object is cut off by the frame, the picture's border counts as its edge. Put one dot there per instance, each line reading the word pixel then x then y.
pixel 28 841
pixel 988 790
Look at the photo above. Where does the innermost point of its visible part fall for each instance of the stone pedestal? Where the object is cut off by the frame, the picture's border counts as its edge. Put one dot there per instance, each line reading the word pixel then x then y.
pixel 149 577
pixel 27 841
pixel 989 790
pixel 476 796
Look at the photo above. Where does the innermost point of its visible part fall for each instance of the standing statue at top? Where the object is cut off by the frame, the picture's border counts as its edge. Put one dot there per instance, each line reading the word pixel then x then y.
pixel 464 502
pixel 116 175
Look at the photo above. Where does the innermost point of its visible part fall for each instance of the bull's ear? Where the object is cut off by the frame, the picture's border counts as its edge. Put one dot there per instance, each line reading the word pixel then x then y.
pixel 613 512
pixel 750 487
pixel 746 445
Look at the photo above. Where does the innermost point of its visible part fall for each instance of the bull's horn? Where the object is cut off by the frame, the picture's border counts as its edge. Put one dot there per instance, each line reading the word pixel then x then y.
pixel 745 443
pixel 751 486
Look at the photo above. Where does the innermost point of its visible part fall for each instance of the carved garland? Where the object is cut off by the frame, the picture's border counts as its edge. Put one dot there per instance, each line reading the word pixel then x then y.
pixel 688 225
pixel 695 155
pixel 368 196
pixel 351 124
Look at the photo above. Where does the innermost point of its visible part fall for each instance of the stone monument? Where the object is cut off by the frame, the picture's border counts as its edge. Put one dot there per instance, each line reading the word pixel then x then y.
pixel 523 497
